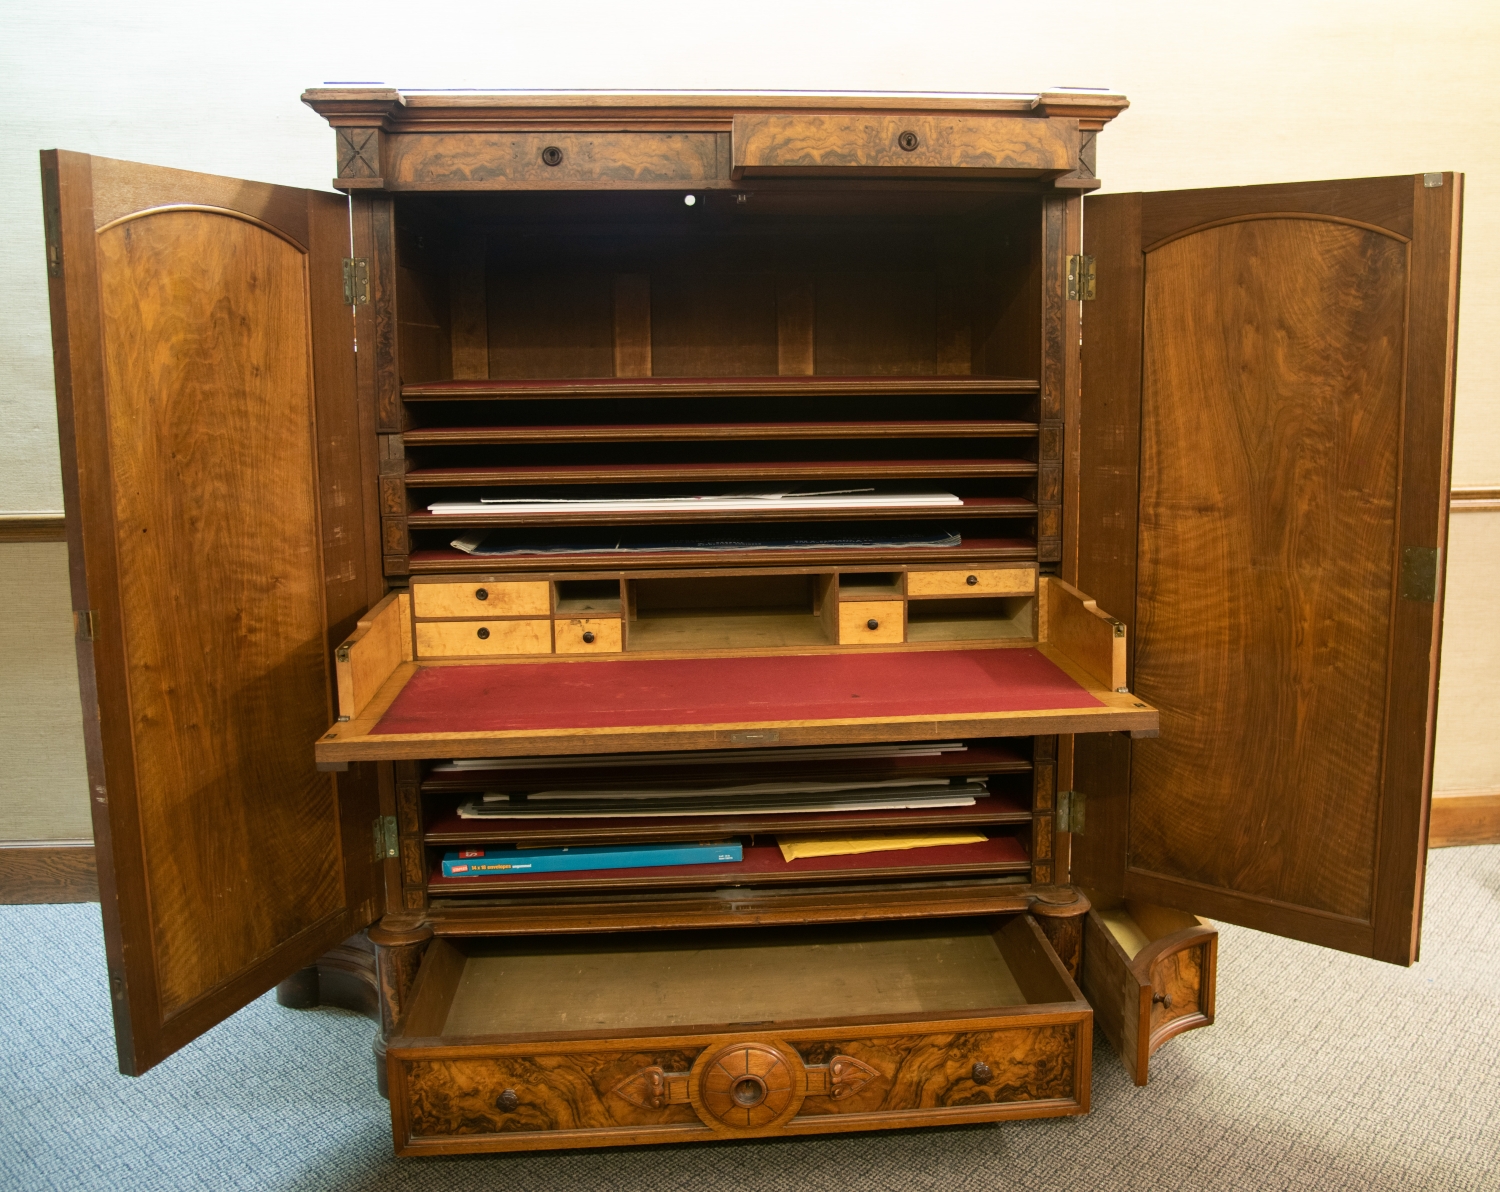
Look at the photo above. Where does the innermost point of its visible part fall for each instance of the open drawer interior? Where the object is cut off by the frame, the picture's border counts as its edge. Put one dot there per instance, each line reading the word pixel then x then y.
pixel 1149 972
pixel 518 1042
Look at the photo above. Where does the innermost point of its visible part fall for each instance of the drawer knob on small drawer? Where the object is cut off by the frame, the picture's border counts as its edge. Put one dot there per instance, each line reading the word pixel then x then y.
pixel 908 141
pixel 552 155
pixel 982 1073
pixel 482 633
pixel 588 636
pixel 972 580
pixel 481 593
pixel 872 623
pixel 507 1101
pixel 1164 999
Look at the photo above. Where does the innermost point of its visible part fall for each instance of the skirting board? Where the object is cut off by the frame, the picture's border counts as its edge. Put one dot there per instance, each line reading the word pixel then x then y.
pixel 47 871
pixel 1464 819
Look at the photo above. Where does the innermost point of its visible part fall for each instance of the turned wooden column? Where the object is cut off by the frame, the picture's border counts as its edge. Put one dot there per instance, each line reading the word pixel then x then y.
pixel 399 940
pixel 1059 912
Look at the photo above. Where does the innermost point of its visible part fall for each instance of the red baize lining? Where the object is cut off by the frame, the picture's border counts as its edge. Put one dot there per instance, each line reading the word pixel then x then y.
pixel 634 692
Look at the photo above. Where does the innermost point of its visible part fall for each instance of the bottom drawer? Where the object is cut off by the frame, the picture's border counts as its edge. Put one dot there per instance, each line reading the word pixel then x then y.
pixel 1149 973
pixel 662 1037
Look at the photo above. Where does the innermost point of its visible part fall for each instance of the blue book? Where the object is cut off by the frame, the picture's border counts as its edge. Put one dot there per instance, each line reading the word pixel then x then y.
pixel 466 862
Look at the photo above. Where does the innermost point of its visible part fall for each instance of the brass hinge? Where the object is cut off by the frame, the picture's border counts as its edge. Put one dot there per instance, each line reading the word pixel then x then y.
pixel 356 280
pixel 1080 279
pixel 387 842
pixel 86 625
pixel 1070 805
pixel 1419 569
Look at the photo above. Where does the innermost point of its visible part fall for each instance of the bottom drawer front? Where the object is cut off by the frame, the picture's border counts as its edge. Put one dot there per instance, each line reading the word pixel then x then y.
pixel 1179 981
pixel 918 1072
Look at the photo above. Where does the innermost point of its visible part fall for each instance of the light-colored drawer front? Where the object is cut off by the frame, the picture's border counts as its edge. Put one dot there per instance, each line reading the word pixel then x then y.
pixel 481 600
pixel 780 143
pixel 998 581
pixel 855 618
pixel 464 639
pixel 591 635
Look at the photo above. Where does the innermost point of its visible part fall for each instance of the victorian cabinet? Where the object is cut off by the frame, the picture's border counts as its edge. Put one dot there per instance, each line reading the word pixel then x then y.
pixel 603 447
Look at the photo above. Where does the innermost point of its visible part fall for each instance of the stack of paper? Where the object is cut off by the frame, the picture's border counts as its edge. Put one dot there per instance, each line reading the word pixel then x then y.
pixel 794 753
pixel 735 501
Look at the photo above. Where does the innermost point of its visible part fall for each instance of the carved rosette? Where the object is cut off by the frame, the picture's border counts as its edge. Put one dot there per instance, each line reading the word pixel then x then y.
pixel 748 1087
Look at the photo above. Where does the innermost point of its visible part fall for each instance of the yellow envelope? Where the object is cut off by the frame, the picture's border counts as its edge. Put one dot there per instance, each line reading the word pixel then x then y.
pixel 793 847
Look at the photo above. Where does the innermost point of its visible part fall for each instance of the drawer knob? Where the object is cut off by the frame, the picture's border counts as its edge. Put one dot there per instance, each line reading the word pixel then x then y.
pixel 972 580
pixel 908 141
pixel 982 1073
pixel 481 594
pixel 483 633
pixel 507 1101
pixel 872 623
pixel 588 636
pixel 1165 1000
pixel 552 156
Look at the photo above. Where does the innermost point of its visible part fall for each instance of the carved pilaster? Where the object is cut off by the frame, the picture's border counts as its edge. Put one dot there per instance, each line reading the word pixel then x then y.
pixel 400 940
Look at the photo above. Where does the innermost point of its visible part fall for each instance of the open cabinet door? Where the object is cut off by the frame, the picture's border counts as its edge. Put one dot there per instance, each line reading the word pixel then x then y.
pixel 218 545
pixel 1264 442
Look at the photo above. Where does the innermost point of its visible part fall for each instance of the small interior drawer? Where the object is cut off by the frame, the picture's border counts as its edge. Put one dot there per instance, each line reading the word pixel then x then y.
pixel 481 599
pixel 993 581
pixel 588 635
pixel 871 622
pixel 463 639
pixel 1149 973
pixel 521 1043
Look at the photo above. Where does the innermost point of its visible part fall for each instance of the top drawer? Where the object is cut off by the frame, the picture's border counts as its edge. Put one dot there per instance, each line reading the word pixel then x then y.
pixel 765 145
pixel 482 599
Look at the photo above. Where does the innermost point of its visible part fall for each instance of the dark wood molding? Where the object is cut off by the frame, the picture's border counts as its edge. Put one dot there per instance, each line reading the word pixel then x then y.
pixel 1464 500
pixel 32 527
pixel 33 871
pixel 1464 819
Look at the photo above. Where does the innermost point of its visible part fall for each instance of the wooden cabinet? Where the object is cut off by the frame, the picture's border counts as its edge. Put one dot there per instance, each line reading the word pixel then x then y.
pixel 1135 522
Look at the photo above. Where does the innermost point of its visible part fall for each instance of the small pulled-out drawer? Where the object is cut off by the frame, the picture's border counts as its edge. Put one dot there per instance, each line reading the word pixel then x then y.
pixel 1149 973
pixel 515 1043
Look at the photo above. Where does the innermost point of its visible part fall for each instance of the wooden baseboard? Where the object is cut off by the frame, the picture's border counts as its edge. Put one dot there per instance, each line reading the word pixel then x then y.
pixel 1464 819
pixel 34 871
pixel 32 527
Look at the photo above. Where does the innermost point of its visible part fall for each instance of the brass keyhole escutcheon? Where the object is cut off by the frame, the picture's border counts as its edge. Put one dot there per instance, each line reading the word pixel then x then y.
pixel 482 633
pixel 908 141
pixel 481 594
pixel 508 1101
pixel 588 636
pixel 872 623
pixel 972 580
pixel 552 155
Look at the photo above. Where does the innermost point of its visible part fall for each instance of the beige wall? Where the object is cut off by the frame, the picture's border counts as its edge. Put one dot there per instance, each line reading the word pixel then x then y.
pixel 1221 94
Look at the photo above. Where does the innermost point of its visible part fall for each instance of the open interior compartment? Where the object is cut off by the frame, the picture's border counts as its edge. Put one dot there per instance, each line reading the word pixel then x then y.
pixel 680 980
pixel 971 619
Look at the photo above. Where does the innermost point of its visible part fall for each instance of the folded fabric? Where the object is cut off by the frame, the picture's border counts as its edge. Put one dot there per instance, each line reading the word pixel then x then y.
pixel 795 847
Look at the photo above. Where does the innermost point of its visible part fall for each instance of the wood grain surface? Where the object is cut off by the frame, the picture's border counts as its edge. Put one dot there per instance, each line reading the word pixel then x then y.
pixel 1465 819
pixel 210 428
pixel 44 871
pixel 1271 424
pixel 592 161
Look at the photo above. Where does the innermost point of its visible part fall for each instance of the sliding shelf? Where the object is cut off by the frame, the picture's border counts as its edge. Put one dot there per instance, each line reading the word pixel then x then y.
pixel 801 386
pixel 689 432
pixel 740 473
pixel 441 561
pixel 447 827
pixel 763 865
pixel 971 508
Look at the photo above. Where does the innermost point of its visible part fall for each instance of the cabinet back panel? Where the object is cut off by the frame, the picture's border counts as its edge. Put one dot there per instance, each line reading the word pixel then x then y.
pixel 211 457
pixel 876 324
pixel 720 325
pixel 1271 429
pixel 550 323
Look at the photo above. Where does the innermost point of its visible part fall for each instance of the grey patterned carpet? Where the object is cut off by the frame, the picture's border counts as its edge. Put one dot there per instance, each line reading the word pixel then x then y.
pixel 1324 1072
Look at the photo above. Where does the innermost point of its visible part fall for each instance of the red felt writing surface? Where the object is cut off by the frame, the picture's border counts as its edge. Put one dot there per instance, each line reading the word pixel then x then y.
pixel 643 692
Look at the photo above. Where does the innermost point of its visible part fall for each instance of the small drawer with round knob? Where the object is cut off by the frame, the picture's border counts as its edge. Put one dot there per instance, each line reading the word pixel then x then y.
pixel 588 635
pixel 872 622
pixel 462 639
pixel 978 581
pixel 482 598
